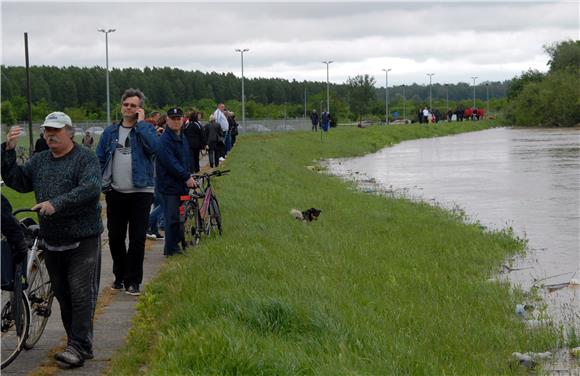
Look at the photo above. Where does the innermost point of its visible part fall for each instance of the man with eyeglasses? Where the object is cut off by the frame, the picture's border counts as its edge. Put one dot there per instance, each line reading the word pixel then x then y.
pixel 173 177
pixel 126 152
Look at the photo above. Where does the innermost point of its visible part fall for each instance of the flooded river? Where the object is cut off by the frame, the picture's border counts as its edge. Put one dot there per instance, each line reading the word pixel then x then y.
pixel 527 179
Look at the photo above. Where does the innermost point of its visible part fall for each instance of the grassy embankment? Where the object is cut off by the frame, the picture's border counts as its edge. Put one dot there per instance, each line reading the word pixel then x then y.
pixel 376 286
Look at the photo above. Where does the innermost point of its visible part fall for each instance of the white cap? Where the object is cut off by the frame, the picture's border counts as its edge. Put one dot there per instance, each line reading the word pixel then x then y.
pixel 57 120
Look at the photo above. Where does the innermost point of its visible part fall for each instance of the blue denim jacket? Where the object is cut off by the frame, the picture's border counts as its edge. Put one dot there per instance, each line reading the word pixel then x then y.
pixel 144 144
pixel 173 164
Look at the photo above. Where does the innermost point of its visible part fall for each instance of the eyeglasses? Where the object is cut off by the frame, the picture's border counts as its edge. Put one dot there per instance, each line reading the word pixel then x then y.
pixel 175 117
pixel 132 105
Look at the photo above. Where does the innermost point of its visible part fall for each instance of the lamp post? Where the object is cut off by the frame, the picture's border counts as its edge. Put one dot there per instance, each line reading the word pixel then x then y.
pixel 241 51
pixel 107 58
pixel 430 96
pixel 327 86
pixel 447 96
pixel 404 105
pixel 387 94
pixel 474 78
pixel 487 97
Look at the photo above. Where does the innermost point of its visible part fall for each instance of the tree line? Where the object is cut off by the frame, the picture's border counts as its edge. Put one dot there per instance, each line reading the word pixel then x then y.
pixel 552 98
pixel 82 91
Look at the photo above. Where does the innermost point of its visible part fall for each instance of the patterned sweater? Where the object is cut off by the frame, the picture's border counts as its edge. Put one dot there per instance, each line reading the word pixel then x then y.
pixel 71 183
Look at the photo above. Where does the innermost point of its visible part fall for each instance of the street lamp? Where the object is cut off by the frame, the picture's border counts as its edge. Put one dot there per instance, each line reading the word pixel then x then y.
pixel 387 93
pixel 474 78
pixel 243 97
pixel 404 105
pixel 430 97
pixel 487 97
pixel 107 57
pixel 447 96
pixel 327 86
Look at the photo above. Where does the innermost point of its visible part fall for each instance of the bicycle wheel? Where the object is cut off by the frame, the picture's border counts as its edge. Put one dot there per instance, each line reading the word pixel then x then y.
pixel 40 297
pixel 14 326
pixel 215 214
pixel 190 230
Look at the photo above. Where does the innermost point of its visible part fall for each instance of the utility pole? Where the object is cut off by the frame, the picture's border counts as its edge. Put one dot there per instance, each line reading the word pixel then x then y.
pixel 387 94
pixel 404 105
pixel 430 96
pixel 241 51
pixel 327 86
pixel 474 78
pixel 107 62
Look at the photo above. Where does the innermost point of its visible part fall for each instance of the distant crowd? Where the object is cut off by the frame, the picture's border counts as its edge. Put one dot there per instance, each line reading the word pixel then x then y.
pixel 427 115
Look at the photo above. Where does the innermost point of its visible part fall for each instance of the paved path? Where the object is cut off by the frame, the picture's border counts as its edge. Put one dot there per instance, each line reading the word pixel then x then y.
pixel 115 310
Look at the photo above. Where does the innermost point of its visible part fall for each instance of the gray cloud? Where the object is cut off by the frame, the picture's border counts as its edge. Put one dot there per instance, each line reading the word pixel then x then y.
pixel 455 40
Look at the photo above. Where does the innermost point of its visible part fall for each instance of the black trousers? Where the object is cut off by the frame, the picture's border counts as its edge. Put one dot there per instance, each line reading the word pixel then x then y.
pixel 194 167
pixel 75 275
pixel 128 210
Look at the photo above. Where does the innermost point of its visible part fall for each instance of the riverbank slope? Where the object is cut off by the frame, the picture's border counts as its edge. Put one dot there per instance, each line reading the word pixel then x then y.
pixel 375 286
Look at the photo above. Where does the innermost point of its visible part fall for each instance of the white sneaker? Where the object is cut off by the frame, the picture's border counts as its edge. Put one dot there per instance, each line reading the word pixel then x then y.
pixel 222 159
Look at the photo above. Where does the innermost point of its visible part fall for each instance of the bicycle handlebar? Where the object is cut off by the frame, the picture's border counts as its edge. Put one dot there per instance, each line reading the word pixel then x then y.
pixel 214 173
pixel 24 210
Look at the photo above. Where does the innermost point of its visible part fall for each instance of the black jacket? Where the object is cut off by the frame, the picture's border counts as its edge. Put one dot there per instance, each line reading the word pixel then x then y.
pixel 195 135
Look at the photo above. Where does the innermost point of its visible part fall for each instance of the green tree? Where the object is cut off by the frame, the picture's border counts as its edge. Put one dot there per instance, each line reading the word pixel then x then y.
pixel 8 117
pixel 564 55
pixel 518 83
pixel 362 93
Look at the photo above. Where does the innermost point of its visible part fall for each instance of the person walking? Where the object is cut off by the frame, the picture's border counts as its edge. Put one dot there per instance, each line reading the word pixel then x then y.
pixel 195 138
pixel 325 121
pixel 220 117
pixel 215 143
pixel 66 183
pixel 88 140
pixel 126 153
pixel 40 144
pixel 314 120
pixel 173 177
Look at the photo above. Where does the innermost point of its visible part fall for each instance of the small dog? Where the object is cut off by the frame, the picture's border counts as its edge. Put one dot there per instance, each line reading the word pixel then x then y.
pixel 306 215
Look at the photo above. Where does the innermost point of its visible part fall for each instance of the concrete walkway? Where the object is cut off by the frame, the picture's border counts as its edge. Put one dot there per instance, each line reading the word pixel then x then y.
pixel 115 310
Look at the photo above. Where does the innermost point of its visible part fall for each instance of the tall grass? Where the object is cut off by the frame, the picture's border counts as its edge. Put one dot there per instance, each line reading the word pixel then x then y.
pixel 377 286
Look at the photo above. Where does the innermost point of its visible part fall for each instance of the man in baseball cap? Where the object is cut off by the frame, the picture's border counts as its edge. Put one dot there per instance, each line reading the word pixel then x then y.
pixel 66 181
pixel 57 120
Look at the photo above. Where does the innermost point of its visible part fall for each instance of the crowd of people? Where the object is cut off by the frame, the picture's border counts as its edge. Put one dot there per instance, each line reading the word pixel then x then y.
pixel 142 165
pixel 427 115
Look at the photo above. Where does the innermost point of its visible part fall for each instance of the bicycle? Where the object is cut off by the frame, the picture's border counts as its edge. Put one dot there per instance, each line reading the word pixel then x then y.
pixel 198 219
pixel 37 297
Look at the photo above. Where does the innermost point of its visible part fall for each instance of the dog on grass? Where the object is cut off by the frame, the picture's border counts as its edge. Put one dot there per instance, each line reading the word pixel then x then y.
pixel 308 215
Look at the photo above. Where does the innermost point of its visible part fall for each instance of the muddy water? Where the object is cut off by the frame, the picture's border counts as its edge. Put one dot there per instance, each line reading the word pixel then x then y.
pixel 527 179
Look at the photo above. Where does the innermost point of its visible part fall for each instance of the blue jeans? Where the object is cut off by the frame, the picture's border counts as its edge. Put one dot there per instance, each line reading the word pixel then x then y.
pixel 173 228
pixel 75 275
pixel 228 142
pixel 157 215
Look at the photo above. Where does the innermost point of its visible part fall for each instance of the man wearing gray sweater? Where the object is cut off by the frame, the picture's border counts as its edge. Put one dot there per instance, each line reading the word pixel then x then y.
pixel 66 183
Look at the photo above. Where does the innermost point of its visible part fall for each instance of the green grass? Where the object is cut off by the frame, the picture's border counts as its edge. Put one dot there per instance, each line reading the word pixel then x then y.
pixel 377 286
pixel 20 201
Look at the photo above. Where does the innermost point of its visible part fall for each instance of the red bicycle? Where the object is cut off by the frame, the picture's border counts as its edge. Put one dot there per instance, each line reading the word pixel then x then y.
pixel 201 219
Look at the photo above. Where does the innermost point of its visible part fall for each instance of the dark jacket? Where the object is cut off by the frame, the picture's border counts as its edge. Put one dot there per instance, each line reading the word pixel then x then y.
pixel 314 118
pixel 195 135
pixel 214 134
pixel 144 143
pixel 40 145
pixel 172 164
pixel 71 183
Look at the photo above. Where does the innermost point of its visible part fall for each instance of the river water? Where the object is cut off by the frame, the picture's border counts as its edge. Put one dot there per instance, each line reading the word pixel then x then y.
pixel 526 179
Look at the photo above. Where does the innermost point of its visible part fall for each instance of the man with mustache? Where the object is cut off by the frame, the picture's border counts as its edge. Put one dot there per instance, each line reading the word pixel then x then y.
pixel 66 183
pixel 126 152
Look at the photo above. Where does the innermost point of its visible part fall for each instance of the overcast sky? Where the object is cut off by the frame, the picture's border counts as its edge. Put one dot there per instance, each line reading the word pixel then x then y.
pixel 455 40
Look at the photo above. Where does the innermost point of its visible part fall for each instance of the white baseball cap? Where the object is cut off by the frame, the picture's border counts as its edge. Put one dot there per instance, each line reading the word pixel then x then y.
pixel 57 120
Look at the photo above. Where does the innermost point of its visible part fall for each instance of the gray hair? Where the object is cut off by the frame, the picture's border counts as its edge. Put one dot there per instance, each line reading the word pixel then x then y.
pixel 134 93
pixel 70 130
